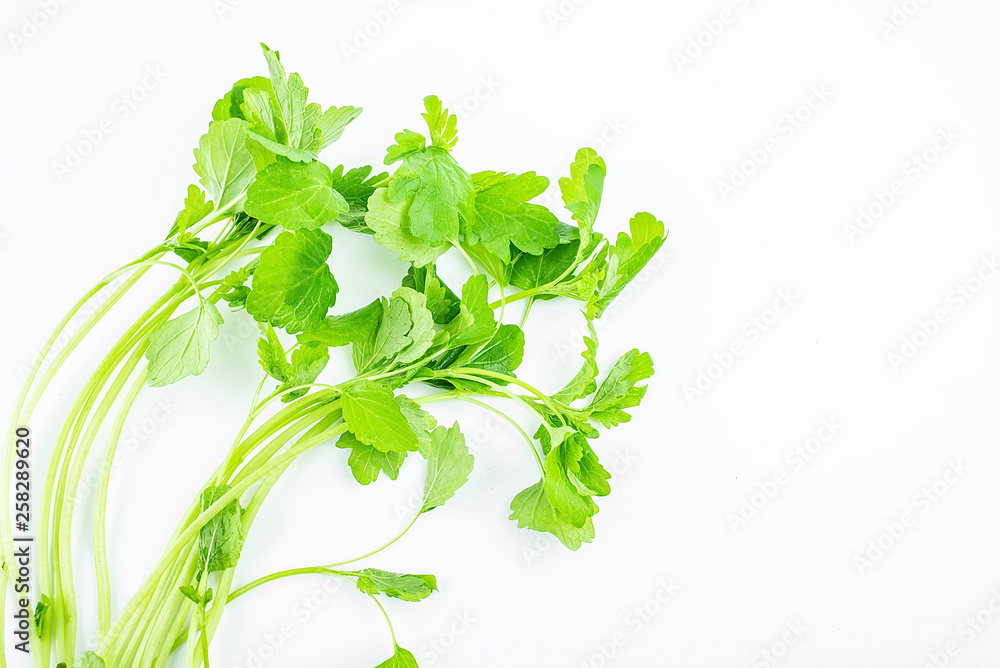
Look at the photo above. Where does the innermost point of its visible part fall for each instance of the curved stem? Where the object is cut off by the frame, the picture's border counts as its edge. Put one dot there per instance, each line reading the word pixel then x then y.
pixel 101 510
pixel 189 533
pixel 472 265
pixel 477 375
pixel 321 570
pixel 161 263
pixel 527 310
pixel 378 549
pixel 24 408
pixel 513 423
pixel 388 621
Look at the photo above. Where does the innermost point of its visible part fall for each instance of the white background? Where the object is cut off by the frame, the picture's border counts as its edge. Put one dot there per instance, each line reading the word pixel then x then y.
pixel 560 76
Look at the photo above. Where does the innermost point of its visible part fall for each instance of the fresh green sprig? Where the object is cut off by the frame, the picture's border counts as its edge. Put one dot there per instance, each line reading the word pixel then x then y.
pixel 259 172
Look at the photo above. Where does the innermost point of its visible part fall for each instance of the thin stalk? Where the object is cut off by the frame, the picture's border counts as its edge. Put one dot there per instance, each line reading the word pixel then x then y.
pixel 388 621
pixel 189 533
pixel 72 471
pixel 477 376
pixel 164 608
pixel 513 423
pixel 24 408
pixel 101 510
pixel 249 514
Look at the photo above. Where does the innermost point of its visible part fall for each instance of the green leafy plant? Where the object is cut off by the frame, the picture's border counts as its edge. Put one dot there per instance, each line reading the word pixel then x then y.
pixel 256 235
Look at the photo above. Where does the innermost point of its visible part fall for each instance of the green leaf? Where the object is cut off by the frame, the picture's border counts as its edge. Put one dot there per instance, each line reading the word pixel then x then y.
pixel 584 382
pixel 257 109
pixel 295 195
pixel 421 332
pixel 367 462
pixel 405 587
pixel 442 125
pixel 504 214
pixel 388 218
pixel 405 333
pixel 563 494
pixel 90 660
pixel 421 422
pixel 221 540
pixel 332 123
pixel 619 390
pixel 532 271
pixel 192 593
pixel 532 510
pixel 41 608
pixel 626 259
pixel 234 289
pixel 449 464
pixel 502 354
pixel 243 226
pixel 195 209
pixel 266 150
pixel 401 658
pixel 308 361
pixel 180 348
pixel 230 106
pixel 293 286
pixel 590 477
pixel 190 249
pixel 387 340
pixel 374 417
pixel 271 354
pixel 582 190
pixel 492 263
pixel 407 142
pixel 443 304
pixel 475 322
pixel 586 284
pixel 357 186
pixel 224 163
pixel 291 96
pixel 439 192
pixel 340 330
